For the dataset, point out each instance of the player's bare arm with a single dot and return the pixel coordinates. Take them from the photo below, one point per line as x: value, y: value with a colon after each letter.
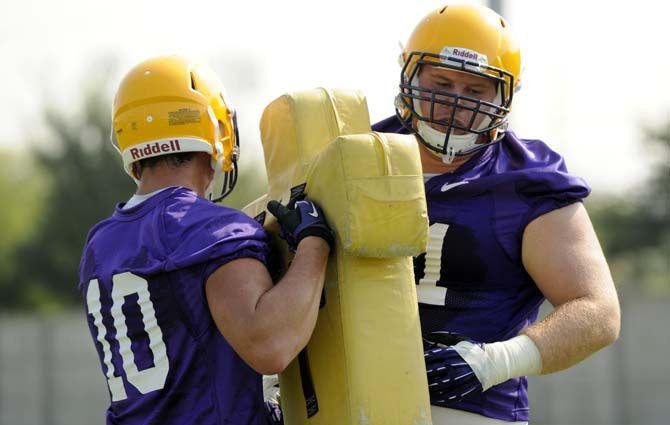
x: 561, y: 252
x: 268, y: 326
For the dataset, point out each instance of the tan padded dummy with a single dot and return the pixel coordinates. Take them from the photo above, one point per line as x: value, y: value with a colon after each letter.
x: 365, y: 356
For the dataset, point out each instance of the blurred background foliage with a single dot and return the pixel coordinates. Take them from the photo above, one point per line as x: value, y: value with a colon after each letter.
x: 59, y: 189
x: 57, y: 194
x: 635, y: 229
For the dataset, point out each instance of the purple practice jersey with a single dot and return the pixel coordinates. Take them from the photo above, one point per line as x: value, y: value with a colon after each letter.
x: 142, y: 277
x: 473, y: 281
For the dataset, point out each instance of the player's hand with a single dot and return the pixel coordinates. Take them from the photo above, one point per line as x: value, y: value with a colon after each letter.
x: 450, y: 377
x: 301, y: 218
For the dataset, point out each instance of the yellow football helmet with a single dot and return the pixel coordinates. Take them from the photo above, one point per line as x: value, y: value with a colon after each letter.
x: 466, y: 38
x: 168, y: 105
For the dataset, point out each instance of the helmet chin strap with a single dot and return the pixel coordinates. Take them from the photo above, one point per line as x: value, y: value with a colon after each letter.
x: 457, y: 143
x: 215, y: 182
x: 217, y: 166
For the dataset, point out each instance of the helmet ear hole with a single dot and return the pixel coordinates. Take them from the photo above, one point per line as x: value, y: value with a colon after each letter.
x: 443, y: 9
x: 193, y: 82
x: 225, y: 159
x: 502, y: 23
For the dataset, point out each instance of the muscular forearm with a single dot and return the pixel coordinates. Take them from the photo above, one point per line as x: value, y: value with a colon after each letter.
x: 562, y: 254
x: 574, y: 331
x: 285, y: 315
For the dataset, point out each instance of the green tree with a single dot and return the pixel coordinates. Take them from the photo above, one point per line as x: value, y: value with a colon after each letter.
x: 635, y: 233
x: 251, y: 185
x: 24, y: 188
x: 85, y: 179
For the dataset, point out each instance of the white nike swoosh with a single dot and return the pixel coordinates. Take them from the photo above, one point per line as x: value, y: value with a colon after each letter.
x: 314, y: 213
x: 448, y: 186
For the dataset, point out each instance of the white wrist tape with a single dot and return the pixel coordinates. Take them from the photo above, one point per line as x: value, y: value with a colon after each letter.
x: 501, y: 361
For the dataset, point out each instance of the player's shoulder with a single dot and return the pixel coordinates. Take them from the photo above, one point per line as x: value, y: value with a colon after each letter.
x: 537, y: 170
x: 530, y: 153
x: 192, y: 222
x: 185, y: 209
x: 97, y: 247
x: 99, y: 232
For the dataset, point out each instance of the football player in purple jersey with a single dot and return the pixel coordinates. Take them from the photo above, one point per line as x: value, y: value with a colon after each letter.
x: 181, y: 306
x: 507, y: 227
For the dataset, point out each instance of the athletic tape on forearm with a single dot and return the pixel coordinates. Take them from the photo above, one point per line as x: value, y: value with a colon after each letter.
x: 500, y: 361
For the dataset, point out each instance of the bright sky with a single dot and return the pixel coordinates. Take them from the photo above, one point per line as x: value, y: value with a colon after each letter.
x: 596, y: 71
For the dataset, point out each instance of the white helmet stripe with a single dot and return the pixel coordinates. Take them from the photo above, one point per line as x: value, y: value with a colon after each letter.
x: 163, y: 147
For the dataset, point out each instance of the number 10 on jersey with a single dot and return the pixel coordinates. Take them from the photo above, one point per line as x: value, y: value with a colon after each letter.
x: 146, y: 380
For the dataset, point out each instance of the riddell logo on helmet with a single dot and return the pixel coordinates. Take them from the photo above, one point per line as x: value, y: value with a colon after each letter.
x: 465, y: 54
x: 460, y: 54
x: 155, y: 148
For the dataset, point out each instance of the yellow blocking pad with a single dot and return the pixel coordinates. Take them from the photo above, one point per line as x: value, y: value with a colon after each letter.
x: 296, y: 127
x: 374, y: 194
x: 365, y: 356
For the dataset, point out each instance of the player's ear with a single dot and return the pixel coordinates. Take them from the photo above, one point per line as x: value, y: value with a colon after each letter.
x: 137, y: 169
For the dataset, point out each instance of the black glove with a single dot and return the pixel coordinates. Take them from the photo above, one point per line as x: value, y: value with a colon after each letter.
x: 273, y: 413
x: 450, y: 377
x: 301, y: 218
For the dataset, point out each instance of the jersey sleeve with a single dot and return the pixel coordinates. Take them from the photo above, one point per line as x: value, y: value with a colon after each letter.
x: 541, y: 179
x: 545, y: 193
x: 198, y: 232
x: 536, y: 183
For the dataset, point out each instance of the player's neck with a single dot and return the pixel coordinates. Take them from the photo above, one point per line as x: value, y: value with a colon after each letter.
x: 160, y: 177
x: 433, y: 164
